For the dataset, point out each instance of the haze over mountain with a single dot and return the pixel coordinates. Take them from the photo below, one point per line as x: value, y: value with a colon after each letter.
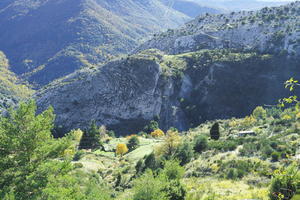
x: 47, y: 39
x: 237, y: 5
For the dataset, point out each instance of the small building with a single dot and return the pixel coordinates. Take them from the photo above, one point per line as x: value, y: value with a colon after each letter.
x: 247, y: 133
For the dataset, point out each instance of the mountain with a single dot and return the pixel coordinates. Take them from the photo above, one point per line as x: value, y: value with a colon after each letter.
x: 48, y: 39
x: 12, y: 90
x: 238, y: 5
x: 270, y: 30
x: 217, y: 66
x: 191, y: 8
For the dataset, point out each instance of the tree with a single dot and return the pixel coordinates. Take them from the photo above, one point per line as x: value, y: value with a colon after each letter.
x: 185, y: 153
x: 157, y: 133
x: 29, y: 155
x: 91, y: 138
x: 215, y: 131
x: 173, y: 173
x: 133, y: 143
x: 153, y: 125
x: 172, y: 141
x: 259, y: 113
x: 121, y: 149
x: 284, y: 183
x: 201, y: 143
x: 148, y: 187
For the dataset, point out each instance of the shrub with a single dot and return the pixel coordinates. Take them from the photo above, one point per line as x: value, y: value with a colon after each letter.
x: 284, y: 183
x: 223, y: 145
x: 121, y: 149
x: 78, y: 155
x: 157, y: 133
x: 275, y: 156
x: 150, y: 161
x: 147, y: 187
x: 201, y: 143
x: 215, y: 131
x: 185, y: 153
x: 232, y: 174
x: 153, y: 125
x: 133, y: 143
x: 172, y: 170
x: 78, y: 165
x: 259, y: 113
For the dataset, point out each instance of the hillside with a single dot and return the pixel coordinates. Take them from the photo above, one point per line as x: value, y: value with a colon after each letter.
x: 208, y: 71
x: 48, y: 39
x: 191, y: 8
x: 179, y: 91
x: 270, y: 30
x: 12, y: 90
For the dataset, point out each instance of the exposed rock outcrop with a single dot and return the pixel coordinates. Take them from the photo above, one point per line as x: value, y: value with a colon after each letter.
x: 126, y: 94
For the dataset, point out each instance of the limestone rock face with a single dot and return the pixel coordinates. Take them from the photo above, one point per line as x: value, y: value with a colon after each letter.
x: 126, y: 94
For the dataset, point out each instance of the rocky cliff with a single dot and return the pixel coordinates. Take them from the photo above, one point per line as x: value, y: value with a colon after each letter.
x: 179, y: 91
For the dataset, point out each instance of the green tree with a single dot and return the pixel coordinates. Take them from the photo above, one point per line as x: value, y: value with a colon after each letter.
x: 259, y: 113
x: 133, y: 143
x: 185, y: 153
x: 28, y: 152
x: 200, y: 144
x: 148, y: 187
x: 91, y: 137
x: 285, y: 183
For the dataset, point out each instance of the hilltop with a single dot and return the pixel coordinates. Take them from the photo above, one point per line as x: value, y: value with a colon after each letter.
x: 48, y: 39
x: 269, y: 30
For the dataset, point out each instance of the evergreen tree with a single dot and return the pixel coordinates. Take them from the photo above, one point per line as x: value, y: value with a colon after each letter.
x: 91, y: 138
x: 215, y: 131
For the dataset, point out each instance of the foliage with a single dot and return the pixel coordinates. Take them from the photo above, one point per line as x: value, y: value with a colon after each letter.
x: 215, y: 131
x: 147, y: 187
x: 200, y: 144
x: 285, y: 183
x: 170, y: 145
x: 29, y: 154
x: 157, y: 133
x: 121, y: 149
x: 91, y: 138
x: 133, y: 143
x: 185, y: 152
x: 259, y: 113
x: 153, y: 125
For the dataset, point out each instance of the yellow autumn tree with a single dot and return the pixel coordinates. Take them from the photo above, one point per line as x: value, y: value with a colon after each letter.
x: 170, y: 145
x: 157, y: 133
x: 121, y: 149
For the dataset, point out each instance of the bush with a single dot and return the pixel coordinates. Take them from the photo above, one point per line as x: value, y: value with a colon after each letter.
x: 275, y: 156
x: 147, y: 187
x: 284, y: 183
x: 259, y: 113
x: 157, y: 133
x: 223, y: 145
x: 78, y: 155
x: 185, y: 153
x: 200, y: 144
x: 133, y: 143
x: 78, y: 165
x: 215, y: 131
